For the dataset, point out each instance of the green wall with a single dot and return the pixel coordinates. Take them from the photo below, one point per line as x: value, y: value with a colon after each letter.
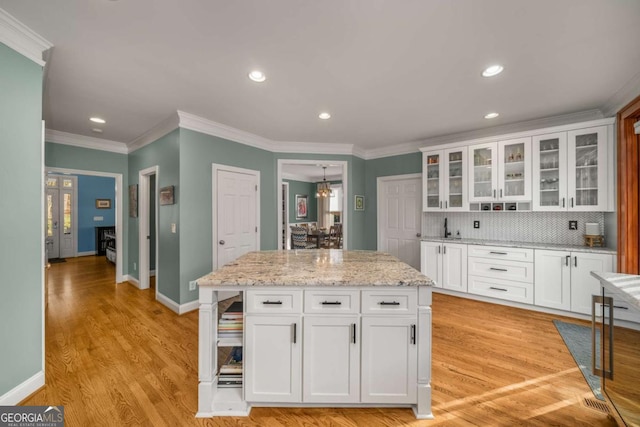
x: 164, y: 153
x: 70, y: 157
x: 375, y: 168
x: 302, y: 188
x: 21, y: 257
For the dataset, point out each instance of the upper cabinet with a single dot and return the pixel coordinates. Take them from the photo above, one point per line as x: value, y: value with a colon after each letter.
x: 445, y: 180
x: 571, y: 171
x: 501, y: 171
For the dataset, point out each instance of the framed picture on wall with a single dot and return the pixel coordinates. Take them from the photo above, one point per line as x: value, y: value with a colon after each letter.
x: 133, y: 201
x: 103, y: 203
x: 359, y: 203
x: 166, y: 195
x: 302, y: 208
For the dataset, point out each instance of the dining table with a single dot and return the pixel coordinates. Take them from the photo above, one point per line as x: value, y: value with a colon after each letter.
x: 318, y: 235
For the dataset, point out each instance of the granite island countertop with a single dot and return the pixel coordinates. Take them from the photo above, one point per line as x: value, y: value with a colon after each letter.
x: 627, y: 286
x: 529, y: 245
x: 316, y: 267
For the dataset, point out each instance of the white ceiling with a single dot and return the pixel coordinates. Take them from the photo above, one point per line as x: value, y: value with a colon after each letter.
x: 389, y: 71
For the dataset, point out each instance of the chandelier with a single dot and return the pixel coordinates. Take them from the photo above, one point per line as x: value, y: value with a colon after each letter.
x: 324, y: 188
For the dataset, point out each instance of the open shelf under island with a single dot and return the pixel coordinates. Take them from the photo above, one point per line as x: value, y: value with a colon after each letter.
x: 327, y: 328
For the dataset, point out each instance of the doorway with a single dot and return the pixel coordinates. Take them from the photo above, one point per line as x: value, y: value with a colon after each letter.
x: 148, y: 227
x: 61, y: 207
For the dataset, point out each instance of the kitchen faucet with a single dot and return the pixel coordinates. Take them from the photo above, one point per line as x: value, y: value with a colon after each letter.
x: 447, y: 233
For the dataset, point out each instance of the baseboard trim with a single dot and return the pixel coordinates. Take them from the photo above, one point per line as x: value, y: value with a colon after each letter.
x: 135, y: 282
x: 87, y: 253
x: 175, y: 307
x: 22, y: 391
x: 152, y: 273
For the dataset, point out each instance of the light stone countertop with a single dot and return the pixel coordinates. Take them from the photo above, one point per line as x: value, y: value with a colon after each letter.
x: 529, y: 245
x: 627, y: 286
x: 316, y: 267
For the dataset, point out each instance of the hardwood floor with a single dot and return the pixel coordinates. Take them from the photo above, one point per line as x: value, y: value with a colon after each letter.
x: 115, y: 356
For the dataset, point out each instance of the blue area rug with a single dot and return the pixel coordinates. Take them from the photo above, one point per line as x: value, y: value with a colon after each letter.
x: 578, y: 341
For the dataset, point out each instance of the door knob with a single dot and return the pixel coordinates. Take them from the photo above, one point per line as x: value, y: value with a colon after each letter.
x: 418, y: 234
x: 221, y: 242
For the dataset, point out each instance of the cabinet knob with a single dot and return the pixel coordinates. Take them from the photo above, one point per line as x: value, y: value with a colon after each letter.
x: 418, y: 234
x: 222, y: 242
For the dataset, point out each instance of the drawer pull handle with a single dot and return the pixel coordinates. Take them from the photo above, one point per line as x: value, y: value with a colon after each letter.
x: 389, y: 303
x: 353, y: 325
x: 498, y: 269
x: 413, y: 334
x: 331, y: 303
x: 498, y: 253
x: 621, y: 307
x: 267, y: 302
x: 497, y: 289
x: 295, y: 333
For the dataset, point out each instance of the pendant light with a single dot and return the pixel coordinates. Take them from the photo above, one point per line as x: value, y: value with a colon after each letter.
x: 324, y: 188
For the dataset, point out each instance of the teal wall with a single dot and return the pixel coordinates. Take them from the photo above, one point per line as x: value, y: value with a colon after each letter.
x: 164, y: 153
x: 70, y: 157
x: 21, y: 257
x: 375, y: 168
x: 302, y: 188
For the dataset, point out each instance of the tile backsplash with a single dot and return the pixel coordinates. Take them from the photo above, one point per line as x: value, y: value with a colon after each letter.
x: 534, y: 227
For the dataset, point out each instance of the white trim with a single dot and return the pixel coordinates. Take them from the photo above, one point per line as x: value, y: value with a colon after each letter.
x: 119, y: 210
x: 624, y: 96
x: 163, y: 128
x: 89, y: 142
x: 215, y: 167
x: 380, y: 180
x: 345, y: 198
x: 22, y: 39
x: 153, y: 272
x: 287, y: 236
x: 636, y: 127
x: 23, y: 390
x: 86, y: 253
x: 174, y: 306
x: 129, y: 278
x: 311, y: 147
x: 461, y: 140
x: 43, y: 250
x: 143, y: 224
x: 393, y: 150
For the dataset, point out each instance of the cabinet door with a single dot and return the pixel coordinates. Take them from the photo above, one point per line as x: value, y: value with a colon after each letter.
x: 514, y: 180
x: 389, y: 359
x: 483, y: 179
x: 587, y: 171
x: 552, y: 286
x: 432, y: 175
x: 431, y: 261
x: 583, y: 284
x: 455, y: 179
x: 454, y: 267
x: 272, y: 358
x: 550, y: 172
x: 331, y: 370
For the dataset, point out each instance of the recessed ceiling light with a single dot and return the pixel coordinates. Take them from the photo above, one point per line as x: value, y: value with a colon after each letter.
x: 493, y: 70
x: 96, y: 130
x: 97, y: 120
x: 491, y: 116
x: 324, y: 116
x: 257, y: 76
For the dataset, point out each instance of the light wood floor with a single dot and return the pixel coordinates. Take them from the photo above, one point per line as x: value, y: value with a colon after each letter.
x: 115, y: 356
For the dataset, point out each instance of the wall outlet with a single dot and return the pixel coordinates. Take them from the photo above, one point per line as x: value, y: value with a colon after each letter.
x: 192, y: 285
x: 573, y: 225
x: 173, y: 227
x: 135, y: 266
x: 476, y: 224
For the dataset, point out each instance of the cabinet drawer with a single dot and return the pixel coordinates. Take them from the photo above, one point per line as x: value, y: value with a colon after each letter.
x: 331, y: 301
x: 500, y: 252
x: 274, y: 301
x: 503, y: 289
x: 389, y: 302
x: 501, y: 269
x: 625, y: 311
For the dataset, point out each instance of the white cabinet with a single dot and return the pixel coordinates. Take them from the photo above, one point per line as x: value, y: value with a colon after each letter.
x: 571, y: 170
x: 444, y: 180
x: 563, y: 279
x: 389, y: 359
x: 500, y: 171
x: 272, y: 358
x: 445, y: 263
x: 331, y: 357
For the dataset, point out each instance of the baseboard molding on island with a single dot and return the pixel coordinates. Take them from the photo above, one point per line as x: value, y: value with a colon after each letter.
x: 175, y: 307
x: 22, y: 391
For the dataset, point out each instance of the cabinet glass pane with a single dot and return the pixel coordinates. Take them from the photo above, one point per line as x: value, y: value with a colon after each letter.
x: 455, y: 179
x: 433, y: 181
x: 514, y: 170
x: 482, y: 172
x: 549, y: 150
x: 587, y: 169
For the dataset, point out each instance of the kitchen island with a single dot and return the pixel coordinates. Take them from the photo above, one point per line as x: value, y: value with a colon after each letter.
x: 327, y: 328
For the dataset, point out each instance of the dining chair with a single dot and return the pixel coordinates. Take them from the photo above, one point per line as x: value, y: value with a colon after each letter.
x: 299, y: 238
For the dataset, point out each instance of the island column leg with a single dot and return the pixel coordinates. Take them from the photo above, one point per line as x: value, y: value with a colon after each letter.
x: 422, y: 409
x: 207, y: 350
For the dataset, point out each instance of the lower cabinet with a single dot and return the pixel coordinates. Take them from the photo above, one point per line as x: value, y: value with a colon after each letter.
x: 445, y: 263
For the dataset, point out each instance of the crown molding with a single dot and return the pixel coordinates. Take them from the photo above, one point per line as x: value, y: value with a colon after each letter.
x: 22, y: 39
x: 393, y: 150
x: 624, y: 96
x: 163, y: 128
x: 65, y: 138
x: 311, y: 147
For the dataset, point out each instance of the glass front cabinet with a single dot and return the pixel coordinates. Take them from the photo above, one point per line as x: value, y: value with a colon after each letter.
x: 570, y: 170
x: 444, y: 180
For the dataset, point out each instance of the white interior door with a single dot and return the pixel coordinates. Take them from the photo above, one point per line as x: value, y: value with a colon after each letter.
x: 400, y: 217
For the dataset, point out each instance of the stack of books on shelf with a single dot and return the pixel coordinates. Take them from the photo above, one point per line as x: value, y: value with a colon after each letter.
x: 231, y: 372
x: 230, y: 323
